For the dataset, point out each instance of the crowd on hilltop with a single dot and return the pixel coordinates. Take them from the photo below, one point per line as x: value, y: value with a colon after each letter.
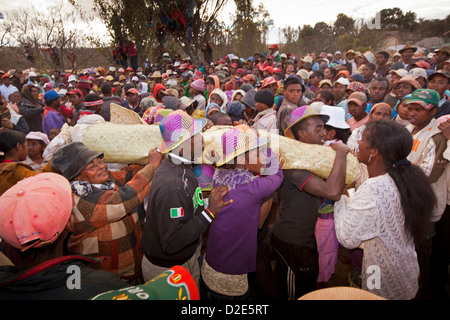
x: 241, y: 234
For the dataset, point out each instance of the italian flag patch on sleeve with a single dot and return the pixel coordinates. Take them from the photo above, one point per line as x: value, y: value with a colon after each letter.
x: 176, y: 213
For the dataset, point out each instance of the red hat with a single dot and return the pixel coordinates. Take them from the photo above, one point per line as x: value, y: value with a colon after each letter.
x: 234, y: 65
x: 268, y: 69
x: 35, y: 210
x: 132, y: 90
x: 274, y: 46
x: 76, y: 91
x: 267, y: 81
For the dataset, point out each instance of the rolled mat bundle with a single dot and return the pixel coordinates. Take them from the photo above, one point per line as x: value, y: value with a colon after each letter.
x: 130, y: 143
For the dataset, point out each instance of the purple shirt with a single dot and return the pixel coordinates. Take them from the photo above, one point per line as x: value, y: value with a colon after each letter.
x: 232, y: 239
x: 52, y: 120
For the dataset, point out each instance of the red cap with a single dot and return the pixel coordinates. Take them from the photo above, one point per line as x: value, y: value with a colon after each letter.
x: 76, y: 91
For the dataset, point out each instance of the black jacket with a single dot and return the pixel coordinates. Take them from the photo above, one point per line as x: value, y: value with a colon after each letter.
x: 32, y: 114
x: 53, y: 280
x: 175, y: 218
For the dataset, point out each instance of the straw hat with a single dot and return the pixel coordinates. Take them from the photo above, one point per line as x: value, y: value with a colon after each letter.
x: 178, y: 127
x: 300, y: 114
x: 340, y: 293
x: 238, y: 140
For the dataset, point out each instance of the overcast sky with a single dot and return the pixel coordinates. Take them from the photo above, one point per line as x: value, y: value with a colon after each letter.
x: 296, y: 13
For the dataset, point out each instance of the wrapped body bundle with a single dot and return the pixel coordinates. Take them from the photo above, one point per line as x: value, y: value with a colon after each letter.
x: 130, y: 143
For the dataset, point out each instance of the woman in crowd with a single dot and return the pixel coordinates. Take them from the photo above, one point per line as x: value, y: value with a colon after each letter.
x: 105, y: 219
x: 388, y: 212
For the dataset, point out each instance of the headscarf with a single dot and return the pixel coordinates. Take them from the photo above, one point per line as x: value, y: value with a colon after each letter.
x: 210, y: 106
x: 223, y: 96
x: 26, y: 92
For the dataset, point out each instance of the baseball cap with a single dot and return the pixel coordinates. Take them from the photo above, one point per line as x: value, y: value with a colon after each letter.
x: 35, y: 210
x: 359, y: 97
x: 400, y: 72
x: 51, y: 95
x: 427, y: 98
x: 75, y: 91
x: 441, y: 72
x: 36, y: 135
x: 418, y: 72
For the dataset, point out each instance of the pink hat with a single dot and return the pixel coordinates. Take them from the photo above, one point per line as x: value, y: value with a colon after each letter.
x: 36, y: 135
x: 35, y: 210
x: 198, y: 85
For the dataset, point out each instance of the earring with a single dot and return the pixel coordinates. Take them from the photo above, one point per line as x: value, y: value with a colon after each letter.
x: 370, y: 158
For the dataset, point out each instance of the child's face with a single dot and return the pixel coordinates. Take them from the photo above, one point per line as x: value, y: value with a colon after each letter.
x: 35, y: 147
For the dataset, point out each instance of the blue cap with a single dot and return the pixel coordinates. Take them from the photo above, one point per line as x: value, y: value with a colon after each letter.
x: 51, y: 95
x: 251, y: 58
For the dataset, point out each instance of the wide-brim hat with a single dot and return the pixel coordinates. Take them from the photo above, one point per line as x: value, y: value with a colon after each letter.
x: 341, y: 293
x: 414, y: 48
x: 238, y: 140
x: 72, y: 158
x: 300, y: 114
x: 337, y: 117
x: 178, y: 127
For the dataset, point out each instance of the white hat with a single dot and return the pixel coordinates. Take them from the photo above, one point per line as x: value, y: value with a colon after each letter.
x: 343, y: 81
x: 337, y: 117
x: 32, y: 74
x: 400, y: 72
x: 317, y: 106
x: 135, y: 78
x: 112, y: 69
x: 166, y: 54
x: 418, y: 72
x: 303, y: 74
x: 177, y: 64
x: 369, y: 56
x: 62, y: 92
x: 72, y: 78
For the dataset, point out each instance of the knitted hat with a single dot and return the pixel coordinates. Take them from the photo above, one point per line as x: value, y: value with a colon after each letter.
x: 198, y: 85
x: 72, y: 158
x: 35, y: 210
x: 204, y: 174
x: 235, y: 108
x: 265, y: 96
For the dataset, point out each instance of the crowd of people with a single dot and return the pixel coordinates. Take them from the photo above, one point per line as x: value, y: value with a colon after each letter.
x: 242, y: 234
